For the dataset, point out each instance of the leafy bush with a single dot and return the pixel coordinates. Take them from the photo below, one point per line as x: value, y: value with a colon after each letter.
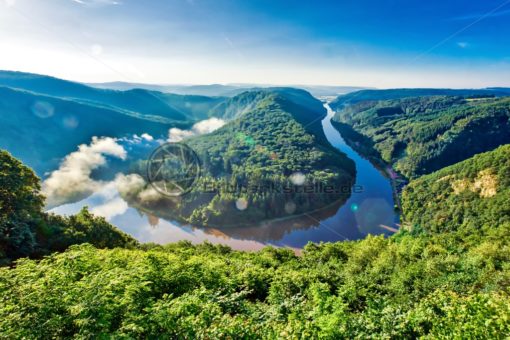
x: 470, y: 194
x: 26, y: 230
x: 444, y: 285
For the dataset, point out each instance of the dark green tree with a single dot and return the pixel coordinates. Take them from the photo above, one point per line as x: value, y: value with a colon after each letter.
x: 20, y: 207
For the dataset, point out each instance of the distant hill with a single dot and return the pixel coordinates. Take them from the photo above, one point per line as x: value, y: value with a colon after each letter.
x: 44, y: 118
x: 328, y: 91
x: 212, y: 90
x: 228, y: 90
x: 246, y: 101
x: 254, y: 157
x: 375, y: 95
x: 469, y: 195
x: 140, y: 101
x: 421, y: 135
x: 500, y: 89
x: 40, y: 130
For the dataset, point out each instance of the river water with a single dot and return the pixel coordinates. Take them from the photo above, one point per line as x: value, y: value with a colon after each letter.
x: 369, y: 210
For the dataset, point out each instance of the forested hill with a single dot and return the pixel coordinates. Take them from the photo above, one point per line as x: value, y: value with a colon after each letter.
x: 26, y: 230
x: 412, y: 285
x: 472, y: 194
x: 41, y: 130
x: 42, y: 119
x: 421, y: 135
x: 376, y: 95
x: 263, y: 150
x: 183, y: 108
x: 246, y: 101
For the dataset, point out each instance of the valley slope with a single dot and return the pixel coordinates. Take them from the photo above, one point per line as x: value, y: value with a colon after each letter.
x: 42, y: 119
x: 419, y: 135
x: 274, y: 138
x: 446, y: 277
x: 469, y: 195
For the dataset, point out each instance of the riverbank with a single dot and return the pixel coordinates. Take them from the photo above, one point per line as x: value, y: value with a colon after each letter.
x: 363, y: 146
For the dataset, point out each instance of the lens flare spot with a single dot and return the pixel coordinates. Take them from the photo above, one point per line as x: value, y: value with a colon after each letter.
x: 250, y: 141
x: 96, y: 49
x: 241, y: 203
x: 354, y: 207
x: 43, y: 109
x: 70, y: 122
x: 298, y: 178
x: 290, y: 207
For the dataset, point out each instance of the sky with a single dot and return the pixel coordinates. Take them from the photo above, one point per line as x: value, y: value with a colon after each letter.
x: 384, y: 44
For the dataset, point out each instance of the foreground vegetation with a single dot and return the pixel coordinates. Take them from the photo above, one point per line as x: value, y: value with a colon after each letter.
x: 445, y: 276
x: 424, y: 134
x: 445, y: 285
x: 26, y: 230
x: 438, y: 282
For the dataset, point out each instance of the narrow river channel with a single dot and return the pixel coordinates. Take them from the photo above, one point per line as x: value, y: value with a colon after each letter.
x: 369, y: 210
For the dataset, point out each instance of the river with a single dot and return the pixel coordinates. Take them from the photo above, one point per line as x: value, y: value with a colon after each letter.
x: 369, y: 210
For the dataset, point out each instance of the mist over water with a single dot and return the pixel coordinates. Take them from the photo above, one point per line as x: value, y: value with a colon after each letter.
x: 369, y: 210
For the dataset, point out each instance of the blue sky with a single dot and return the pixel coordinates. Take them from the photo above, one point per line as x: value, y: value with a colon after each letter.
x: 395, y: 43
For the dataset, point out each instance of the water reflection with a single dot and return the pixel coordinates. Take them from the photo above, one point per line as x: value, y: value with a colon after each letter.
x: 367, y: 211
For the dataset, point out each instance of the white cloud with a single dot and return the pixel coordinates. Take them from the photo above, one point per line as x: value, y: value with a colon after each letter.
x: 462, y: 44
x: 176, y: 135
x: 97, y: 2
x: 200, y: 128
x: 134, y: 186
x: 128, y: 185
x: 71, y: 181
x: 9, y: 3
x: 208, y: 125
x: 150, y: 194
x: 110, y: 209
x: 147, y: 137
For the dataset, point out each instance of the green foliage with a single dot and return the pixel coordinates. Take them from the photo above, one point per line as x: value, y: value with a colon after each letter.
x: 472, y: 194
x: 424, y: 134
x: 444, y: 285
x: 20, y: 207
x: 249, y: 100
x: 446, y: 278
x: 58, y: 233
x: 253, y: 158
x: 42, y: 119
x: 358, y: 97
x: 26, y: 230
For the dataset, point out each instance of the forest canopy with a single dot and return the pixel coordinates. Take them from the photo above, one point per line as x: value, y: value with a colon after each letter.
x: 413, y: 284
x: 424, y: 134
x: 472, y: 194
x: 255, y: 158
x: 26, y: 230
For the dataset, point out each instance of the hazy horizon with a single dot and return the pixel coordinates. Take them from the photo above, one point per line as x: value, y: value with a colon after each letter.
x: 396, y: 44
x: 248, y: 84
